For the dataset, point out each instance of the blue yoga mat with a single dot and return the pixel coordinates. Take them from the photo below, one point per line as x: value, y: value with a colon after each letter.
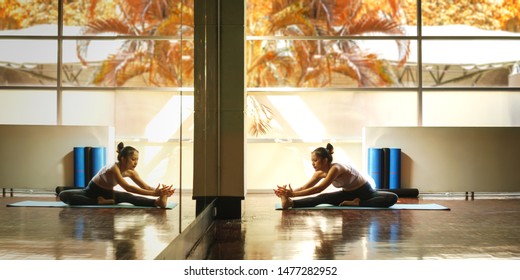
x: 394, y: 180
x: 375, y: 166
x: 430, y: 206
x: 79, y: 167
x: 59, y: 204
x: 98, y: 159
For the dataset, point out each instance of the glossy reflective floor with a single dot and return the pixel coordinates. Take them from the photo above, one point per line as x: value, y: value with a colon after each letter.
x: 473, y: 229
x: 34, y: 233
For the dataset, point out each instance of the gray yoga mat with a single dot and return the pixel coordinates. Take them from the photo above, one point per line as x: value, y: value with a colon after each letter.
x: 429, y: 206
x: 31, y: 203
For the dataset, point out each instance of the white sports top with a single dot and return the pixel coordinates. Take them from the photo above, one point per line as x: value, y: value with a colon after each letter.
x: 349, y: 180
x: 105, y: 178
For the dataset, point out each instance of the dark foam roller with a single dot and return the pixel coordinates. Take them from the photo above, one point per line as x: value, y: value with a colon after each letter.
x: 404, y: 192
x: 386, y: 169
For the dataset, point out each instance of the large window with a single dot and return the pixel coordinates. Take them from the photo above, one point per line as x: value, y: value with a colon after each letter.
x: 320, y: 71
x: 317, y: 71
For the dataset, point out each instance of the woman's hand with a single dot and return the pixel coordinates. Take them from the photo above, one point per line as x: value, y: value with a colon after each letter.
x: 285, y: 190
x: 163, y: 189
x: 157, y: 191
x: 168, y: 190
x: 279, y: 191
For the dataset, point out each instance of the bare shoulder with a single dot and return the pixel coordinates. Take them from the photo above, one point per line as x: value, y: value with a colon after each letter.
x: 130, y: 173
x: 113, y: 168
x: 320, y: 174
x: 341, y: 168
x: 116, y: 170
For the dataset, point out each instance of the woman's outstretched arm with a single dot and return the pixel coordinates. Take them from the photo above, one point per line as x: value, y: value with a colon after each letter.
x: 319, y: 186
x: 131, y: 188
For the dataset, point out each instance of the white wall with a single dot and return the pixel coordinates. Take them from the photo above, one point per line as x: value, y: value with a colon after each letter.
x: 40, y: 157
x: 453, y: 159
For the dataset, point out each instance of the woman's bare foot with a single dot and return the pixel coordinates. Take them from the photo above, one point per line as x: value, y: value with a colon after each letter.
x: 103, y: 201
x: 354, y: 202
x: 162, y: 201
x: 286, y: 202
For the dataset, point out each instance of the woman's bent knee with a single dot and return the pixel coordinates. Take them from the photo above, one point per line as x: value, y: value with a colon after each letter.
x: 391, y: 199
x: 64, y: 196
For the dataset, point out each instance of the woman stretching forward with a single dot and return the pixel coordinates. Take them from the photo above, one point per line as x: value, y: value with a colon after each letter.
x: 355, y: 189
x: 100, y: 190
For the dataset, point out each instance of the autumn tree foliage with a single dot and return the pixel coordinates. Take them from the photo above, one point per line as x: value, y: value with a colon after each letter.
x: 486, y: 14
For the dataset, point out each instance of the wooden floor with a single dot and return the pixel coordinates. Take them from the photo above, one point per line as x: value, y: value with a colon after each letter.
x: 472, y: 229
x: 38, y: 233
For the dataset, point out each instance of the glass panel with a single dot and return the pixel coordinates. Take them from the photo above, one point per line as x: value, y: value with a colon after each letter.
x: 128, y: 63
x: 160, y: 124
x: 469, y: 63
x: 28, y: 107
x: 29, y: 18
x: 330, y: 63
x: 154, y: 123
x: 328, y: 18
x: 128, y: 18
x: 21, y: 63
x: 318, y: 116
x: 471, y: 108
x: 153, y: 116
x: 88, y: 108
x: 470, y: 18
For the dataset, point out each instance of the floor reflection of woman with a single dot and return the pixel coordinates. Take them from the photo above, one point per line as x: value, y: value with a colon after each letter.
x: 355, y: 189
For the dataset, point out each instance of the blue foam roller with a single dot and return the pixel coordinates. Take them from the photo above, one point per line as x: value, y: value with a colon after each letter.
x: 394, y: 181
x: 375, y: 166
x: 79, y: 167
x: 98, y: 159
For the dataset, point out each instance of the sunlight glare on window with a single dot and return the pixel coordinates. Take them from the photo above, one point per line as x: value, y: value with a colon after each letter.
x: 168, y: 121
x: 298, y: 115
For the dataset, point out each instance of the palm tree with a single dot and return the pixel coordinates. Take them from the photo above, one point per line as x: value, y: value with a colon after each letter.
x: 162, y: 62
x: 296, y: 63
x: 313, y: 63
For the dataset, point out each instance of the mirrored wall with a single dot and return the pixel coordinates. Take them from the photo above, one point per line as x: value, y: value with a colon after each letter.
x: 123, y: 64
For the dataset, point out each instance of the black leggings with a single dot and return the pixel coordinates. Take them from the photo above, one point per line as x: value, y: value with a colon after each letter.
x: 368, y: 198
x: 89, y: 195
